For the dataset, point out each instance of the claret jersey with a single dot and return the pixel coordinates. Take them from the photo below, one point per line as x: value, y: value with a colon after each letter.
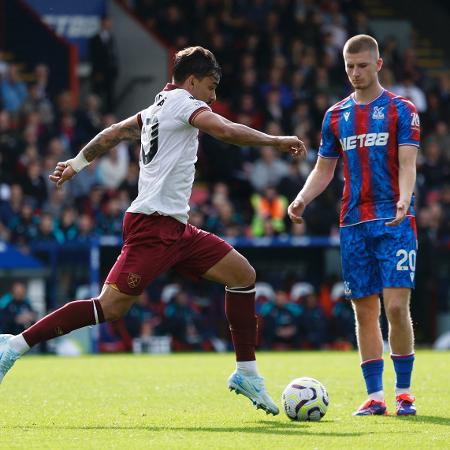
x: 367, y: 138
x: 168, y: 154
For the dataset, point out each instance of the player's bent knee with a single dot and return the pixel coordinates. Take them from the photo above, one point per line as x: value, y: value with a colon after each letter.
x: 115, y: 304
x: 250, y: 276
x: 242, y: 274
x: 112, y: 313
x: 244, y: 277
x: 233, y: 270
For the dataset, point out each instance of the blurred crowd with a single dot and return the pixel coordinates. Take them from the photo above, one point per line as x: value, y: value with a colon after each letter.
x: 282, y: 68
x: 287, y: 319
x: 297, y: 318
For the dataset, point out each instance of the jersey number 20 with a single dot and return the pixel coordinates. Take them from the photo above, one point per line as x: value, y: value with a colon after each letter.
x: 407, y: 260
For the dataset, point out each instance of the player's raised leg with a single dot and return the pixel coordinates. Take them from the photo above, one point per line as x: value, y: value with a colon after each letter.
x: 370, y: 344
x: 401, y: 341
x: 110, y: 305
x: 238, y: 276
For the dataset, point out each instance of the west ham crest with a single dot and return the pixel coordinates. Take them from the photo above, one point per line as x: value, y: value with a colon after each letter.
x: 133, y: 280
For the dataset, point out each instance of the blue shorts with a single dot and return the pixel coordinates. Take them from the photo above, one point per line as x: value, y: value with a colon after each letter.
x: 375, y: 256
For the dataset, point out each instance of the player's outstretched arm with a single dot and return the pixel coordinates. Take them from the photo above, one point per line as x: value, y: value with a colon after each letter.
x: 238, y: 134
x: 407, y: 155
x: 128, y: 129
x: 317, y: 181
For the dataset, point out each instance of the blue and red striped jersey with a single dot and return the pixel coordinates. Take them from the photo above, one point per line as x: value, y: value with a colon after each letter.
x: 367, y: 138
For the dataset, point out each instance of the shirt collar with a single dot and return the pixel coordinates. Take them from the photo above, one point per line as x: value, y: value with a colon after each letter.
x: 171, y: 87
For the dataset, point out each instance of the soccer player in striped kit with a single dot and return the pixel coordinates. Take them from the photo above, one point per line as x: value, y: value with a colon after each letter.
x: 376, y: 133
x: 157, y: 235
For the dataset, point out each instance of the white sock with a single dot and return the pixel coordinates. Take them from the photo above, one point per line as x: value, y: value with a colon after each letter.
x: 377, y: 396
x: 19, y: 344
x: 247, y: 367
x: 400, y: 391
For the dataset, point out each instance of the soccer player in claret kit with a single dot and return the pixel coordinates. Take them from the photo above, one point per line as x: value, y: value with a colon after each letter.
x: 376, y: 133
x: 156, y: 232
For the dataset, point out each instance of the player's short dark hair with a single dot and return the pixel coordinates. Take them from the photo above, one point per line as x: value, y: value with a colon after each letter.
x: 361, y: 43
x: 197, y: 61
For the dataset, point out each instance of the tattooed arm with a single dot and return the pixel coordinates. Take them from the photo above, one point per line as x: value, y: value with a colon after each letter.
x: 128, y: 129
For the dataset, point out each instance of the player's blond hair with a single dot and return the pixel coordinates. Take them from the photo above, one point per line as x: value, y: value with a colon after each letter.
x: 361, y: 43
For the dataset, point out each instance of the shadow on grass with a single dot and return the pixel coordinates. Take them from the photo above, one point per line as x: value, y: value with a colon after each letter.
x: 426, y: 419
x: 265, y: 427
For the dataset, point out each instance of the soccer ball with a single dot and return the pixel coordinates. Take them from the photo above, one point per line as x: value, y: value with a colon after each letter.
x: 305, y: 399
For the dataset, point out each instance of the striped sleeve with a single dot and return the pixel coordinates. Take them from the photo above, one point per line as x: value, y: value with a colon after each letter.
x: 329, y: 147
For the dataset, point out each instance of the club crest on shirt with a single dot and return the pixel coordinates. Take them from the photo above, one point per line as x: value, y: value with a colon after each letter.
x: 378, y: 112
x: 347, y: 290
x: 133, y: 280
x: 346, y: 115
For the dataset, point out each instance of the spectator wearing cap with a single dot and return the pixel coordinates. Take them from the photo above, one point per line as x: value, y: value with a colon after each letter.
x: 300, y: 290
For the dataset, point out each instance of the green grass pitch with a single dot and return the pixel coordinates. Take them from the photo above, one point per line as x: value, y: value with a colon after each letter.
x: 182, y: 402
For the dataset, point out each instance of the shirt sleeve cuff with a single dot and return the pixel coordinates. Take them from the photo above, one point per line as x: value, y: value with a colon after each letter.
x: 329, y: 157
x: 197, y: 112
x: 414, y: 144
